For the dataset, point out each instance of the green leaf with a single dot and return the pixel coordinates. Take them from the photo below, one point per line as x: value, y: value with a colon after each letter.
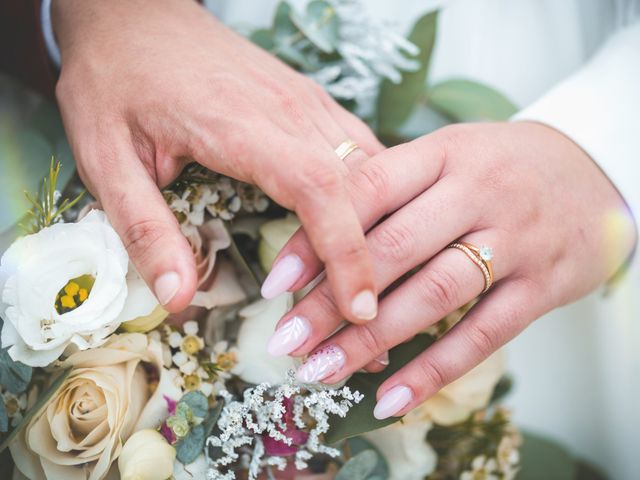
x: 360, y: 444
x: 284, y: 30
x: 212, y: 419
x: 14, y: 376
x: 188, y: 449
x: 4, y: 418
x: 263, y: 38
x: 319, y: 24
x: 468, y: 101
x: 40, y: 404
x: 359, y: 467
x: 198, y: 403
x: 542, y: 458
x: 397, y: 101
x: 360, y: 418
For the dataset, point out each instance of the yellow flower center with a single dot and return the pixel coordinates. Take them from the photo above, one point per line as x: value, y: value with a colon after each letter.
x: 12, y: 407
x: 226, y: 361
x: 191, y: 345
x: 74, y: 293
x: 191, y: 382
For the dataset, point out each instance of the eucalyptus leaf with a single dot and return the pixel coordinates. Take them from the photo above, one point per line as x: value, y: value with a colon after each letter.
x: 263, y: 38
x: 360, y: 444
x: 397, y: 101
x: 14, y: 376
x: 40, y: 404
x: 198, y: 403
x: 284, y: 30
x: 360, y: 417
x: 188, y: 449
x: 4, y: 418
x: 469, y: 101
x: 212, y: 419
x: 319, y: 24
x: 359, y: 467
x: 543, y: 458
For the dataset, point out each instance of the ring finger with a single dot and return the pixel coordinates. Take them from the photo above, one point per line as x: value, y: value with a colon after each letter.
x: 444, y: 284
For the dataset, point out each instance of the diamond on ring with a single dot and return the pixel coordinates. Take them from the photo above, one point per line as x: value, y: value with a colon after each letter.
x: 486, y: 253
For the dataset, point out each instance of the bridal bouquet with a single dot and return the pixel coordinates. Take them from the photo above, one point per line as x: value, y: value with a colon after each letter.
x: 98, y: 381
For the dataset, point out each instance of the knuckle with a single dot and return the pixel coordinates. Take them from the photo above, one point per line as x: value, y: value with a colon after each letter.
x: 434, y: 376
x: 141, y: 236
x: 370, y: 340
x: 373, y: 180
x: 320, y: 180
x: 439, y: 289
x: 484, y: 338
x: 394, y: 241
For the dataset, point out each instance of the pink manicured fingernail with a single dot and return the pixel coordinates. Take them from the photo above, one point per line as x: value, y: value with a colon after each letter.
x: 365, y: 305
x: 383, y: 359
x: 392, y: 402
x: 166, y: 287
x: 325, y: 362
x: 283, y: 276
x: 292, y: 334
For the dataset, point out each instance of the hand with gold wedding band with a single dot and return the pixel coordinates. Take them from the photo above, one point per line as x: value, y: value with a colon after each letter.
x: 232, y: 107
x: 523, y: 189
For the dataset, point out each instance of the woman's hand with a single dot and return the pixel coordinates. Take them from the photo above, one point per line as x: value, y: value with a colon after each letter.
x: 557, y: 226
x: 146, y: 86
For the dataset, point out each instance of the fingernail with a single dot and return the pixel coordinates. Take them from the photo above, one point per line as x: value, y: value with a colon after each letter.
x: 365, y: 305
x: 166, y: 287
x: 392, y: 402
x: 292, y: 334
x: 325, y: 362
x: 383, y: 359
x: 284, y: 274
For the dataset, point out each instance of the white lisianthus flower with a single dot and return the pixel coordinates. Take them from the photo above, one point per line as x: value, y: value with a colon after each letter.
x: 146, y: 456
x: 255, y: 365
x: 68, y: 284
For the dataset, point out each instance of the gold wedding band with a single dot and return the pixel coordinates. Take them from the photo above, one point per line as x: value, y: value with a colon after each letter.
x: 346, y: 148
x: 481, y: 256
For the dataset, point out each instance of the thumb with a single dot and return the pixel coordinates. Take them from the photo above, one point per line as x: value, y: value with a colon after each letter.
x: 149, y: 231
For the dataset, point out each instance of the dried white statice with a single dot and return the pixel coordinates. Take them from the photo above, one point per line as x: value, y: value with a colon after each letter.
x: 369, y: 52
x: 263, y: 414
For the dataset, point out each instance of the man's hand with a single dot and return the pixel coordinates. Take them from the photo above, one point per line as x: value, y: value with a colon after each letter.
x: 148, y: 85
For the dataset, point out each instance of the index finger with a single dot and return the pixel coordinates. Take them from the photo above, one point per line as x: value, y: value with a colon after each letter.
x: 334, y: 232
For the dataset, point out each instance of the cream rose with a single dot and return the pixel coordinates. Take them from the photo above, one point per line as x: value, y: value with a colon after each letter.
x: 255, y: 365
x: 104, y: 400
x: 69, y: 284
x: 146, y: 456
x: 455, y: 402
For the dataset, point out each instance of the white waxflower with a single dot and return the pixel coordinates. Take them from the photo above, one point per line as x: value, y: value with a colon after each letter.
x: 70, y: 283
x: 481, y: 469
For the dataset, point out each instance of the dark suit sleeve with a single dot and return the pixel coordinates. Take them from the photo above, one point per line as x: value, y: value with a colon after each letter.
x: 23, y: 53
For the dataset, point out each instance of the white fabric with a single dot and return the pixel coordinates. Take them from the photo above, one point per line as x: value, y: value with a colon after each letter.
x: 47, y: 31
x: 577, y: 369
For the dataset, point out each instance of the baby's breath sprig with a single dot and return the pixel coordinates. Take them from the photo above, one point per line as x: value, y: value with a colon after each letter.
x: 45, y: 210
